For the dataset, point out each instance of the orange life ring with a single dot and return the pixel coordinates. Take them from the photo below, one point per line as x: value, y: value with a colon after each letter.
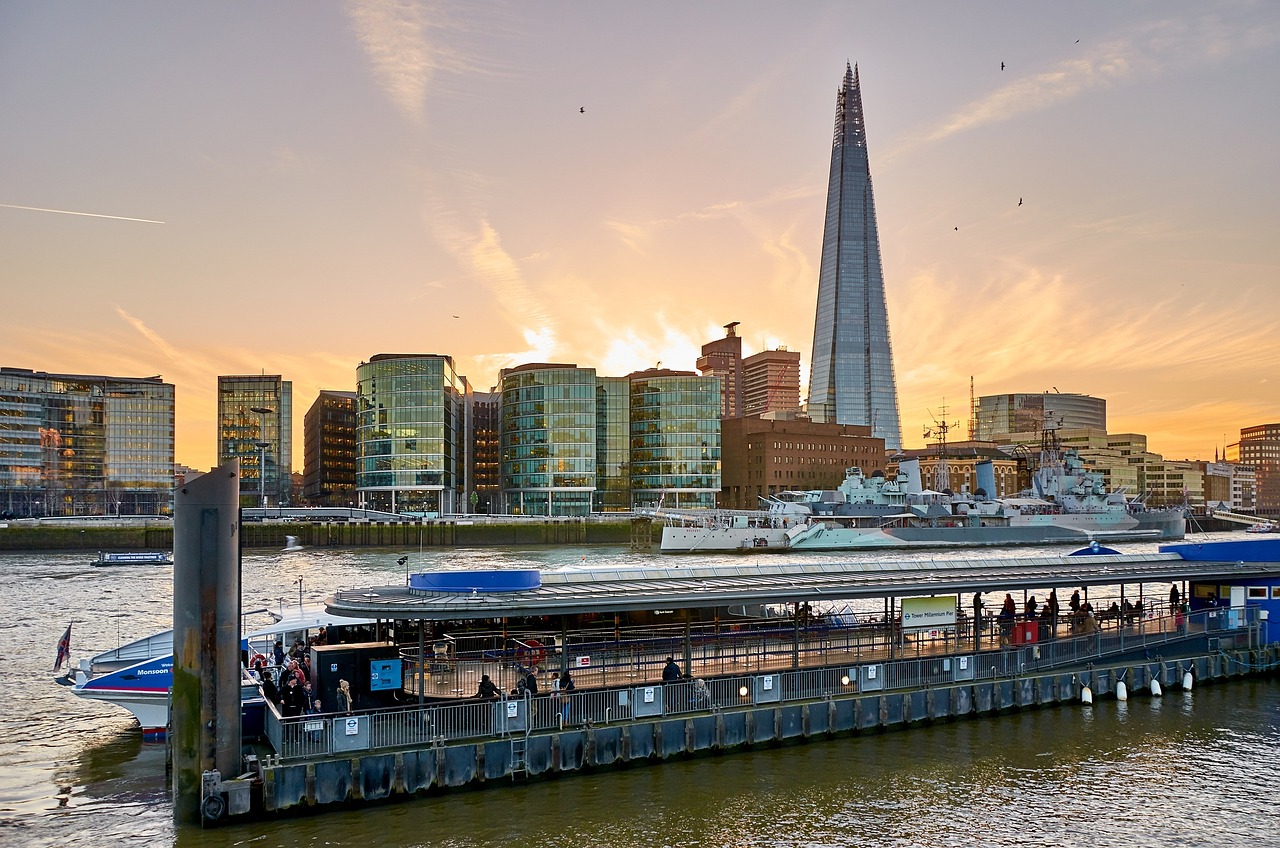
x: 531, y: 653
x: 253, y: 661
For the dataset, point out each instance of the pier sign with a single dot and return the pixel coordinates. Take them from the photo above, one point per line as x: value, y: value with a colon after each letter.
x: 936, y: 613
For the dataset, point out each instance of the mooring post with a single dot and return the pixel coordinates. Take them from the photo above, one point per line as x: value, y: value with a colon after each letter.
x: 204, y: 713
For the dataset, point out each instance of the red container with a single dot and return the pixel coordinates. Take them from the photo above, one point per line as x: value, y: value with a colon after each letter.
x: 1025, y: 632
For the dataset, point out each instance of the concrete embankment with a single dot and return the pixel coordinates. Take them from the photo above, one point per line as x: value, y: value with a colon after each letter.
x: 299, y: 786
x: 271, y: 535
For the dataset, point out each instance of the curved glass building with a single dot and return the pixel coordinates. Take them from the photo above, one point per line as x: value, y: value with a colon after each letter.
x: 675, y: 439
x: 410, y: 434
x: 547, y: 439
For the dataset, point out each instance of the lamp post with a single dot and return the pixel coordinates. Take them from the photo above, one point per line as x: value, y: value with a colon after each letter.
x: 262, y: 444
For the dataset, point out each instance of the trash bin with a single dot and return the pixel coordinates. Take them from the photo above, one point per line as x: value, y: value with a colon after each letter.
x: 1025, y: 632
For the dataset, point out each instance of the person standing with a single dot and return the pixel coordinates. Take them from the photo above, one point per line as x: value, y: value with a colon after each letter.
x: 977, y: 620
x: 1175, y: 600
x: 293, y: 701
x: 564, y: 685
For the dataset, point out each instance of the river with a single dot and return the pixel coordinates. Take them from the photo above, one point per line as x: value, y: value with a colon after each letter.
x: 1188, y: 768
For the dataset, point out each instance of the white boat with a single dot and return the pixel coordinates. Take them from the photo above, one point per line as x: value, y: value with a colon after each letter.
x: 1261, y: 527
x: 133, y: 558
x: 138, y: 675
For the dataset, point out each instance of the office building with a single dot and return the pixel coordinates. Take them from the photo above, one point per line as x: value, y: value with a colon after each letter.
x: 547, y: 439
x: 997, y: 417
x: 852, y: 379
x: 255, y: 425
x: 764, y: 456
x: 771, y: 383
x: 1259, y: 447
x: 77, y: 444
x: 723, y: 358
x: 675, y: 439
x: 329, y: 450
x: 411, y: 436
x: 486, y: 481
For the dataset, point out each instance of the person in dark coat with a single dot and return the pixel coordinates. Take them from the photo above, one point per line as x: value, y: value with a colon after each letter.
x: 670, y: 671
x: 269, y: 690
x: 488, y: 690
x: 293, y: 700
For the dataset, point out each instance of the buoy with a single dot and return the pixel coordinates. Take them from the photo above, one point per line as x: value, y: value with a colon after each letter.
x: 1156, y: 691
x: 1187, y: 681
x: 1086, y: 695
x: 1122, y: 691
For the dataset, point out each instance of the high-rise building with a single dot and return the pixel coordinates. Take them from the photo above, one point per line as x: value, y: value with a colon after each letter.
x: 852, y: 378
x: 255, y: 425
x: 723, y: 358
x: 411, y: 434
x: 329, y: 450
x: 75, y: 444
x: 771, y: 382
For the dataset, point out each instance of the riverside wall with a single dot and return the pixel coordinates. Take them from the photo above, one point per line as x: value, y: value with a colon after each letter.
x: 382, y: 776
x: 270, y: 535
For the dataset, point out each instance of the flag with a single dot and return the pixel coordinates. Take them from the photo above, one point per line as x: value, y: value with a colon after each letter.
x: 64, y: 649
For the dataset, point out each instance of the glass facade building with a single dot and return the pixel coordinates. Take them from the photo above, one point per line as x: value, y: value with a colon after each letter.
x: 547, y: 441
x: 411, y: 434
x: 1000, y: 416
x: 675, y: 439
x: 329, y: 450
x: 852, y: 380
x: 255, y: 425
x: 73, y: 444
x: 613, y: 445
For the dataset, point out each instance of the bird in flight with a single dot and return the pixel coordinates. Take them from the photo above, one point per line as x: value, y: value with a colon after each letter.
x: 582, y: 110
x: 1002, y: 66
x: 957, y: 229
x: 1019, y: 201
x: 455, y: 316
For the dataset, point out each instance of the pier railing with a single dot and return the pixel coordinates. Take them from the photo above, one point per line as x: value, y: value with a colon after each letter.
x: 765, y: 670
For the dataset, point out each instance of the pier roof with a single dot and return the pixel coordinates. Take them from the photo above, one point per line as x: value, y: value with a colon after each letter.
x: 608, y: 590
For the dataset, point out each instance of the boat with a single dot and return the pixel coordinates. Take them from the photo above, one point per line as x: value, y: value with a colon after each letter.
x: 138, y: 675
x: 1261, y: 527
x: 133, y: 558
x: 1067, y: 504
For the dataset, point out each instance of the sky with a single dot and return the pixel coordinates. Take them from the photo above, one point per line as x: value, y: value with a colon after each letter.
x: 293, y: 188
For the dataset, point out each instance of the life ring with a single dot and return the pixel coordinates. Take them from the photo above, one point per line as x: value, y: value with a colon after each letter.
x: 255, y: 659
x: 213, y: 807
x: 531, y: 653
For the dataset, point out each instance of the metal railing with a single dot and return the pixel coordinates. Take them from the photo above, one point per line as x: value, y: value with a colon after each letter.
x: 845, y: 669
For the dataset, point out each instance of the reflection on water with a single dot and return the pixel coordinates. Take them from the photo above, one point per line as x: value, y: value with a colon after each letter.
x: 1187, y: 768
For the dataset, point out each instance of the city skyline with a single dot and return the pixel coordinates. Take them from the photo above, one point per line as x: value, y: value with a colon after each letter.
x: 1095, y: 217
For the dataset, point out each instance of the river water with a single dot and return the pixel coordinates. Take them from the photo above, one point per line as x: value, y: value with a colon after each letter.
x: 1188, y: 768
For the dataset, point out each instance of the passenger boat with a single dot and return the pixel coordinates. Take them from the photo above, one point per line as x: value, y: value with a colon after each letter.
x: 133, y: 558
x: 138, y: 675
x: 1067, y: 504
x: 1261, y: 527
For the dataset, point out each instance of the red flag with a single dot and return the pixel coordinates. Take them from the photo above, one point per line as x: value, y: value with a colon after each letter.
x: 64, y: 649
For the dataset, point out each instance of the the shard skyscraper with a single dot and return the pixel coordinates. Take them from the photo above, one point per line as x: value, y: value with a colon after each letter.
x: 852, y: 376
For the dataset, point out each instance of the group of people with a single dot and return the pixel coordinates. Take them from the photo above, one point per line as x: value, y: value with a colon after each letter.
x: 1081, y: 621
x: 527, y: 684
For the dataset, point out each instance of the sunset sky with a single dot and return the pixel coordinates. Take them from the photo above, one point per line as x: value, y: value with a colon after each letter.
x: 291, y: 188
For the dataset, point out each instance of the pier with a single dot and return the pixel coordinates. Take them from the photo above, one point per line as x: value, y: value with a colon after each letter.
x: 745, y: 680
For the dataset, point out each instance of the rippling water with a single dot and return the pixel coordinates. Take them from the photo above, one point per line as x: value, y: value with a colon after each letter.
x: 1188, y: 768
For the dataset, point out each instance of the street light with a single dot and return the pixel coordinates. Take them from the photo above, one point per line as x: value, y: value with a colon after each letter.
x: 263, y: 412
